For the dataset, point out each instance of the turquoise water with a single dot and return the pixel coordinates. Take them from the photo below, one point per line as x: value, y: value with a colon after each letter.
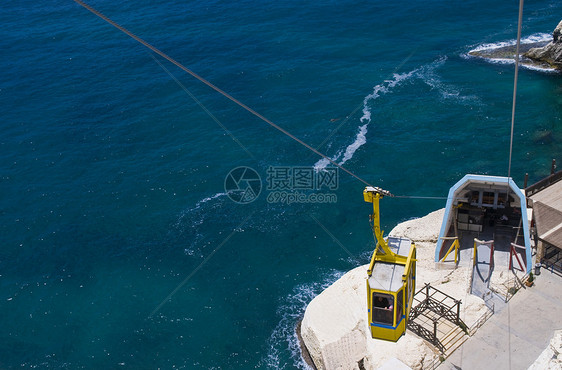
x: 120, y: 247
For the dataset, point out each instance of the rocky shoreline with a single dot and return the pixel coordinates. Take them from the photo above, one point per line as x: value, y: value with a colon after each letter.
x: 550, y: 54
x: 541, y: 55
x: 334, y: 329
x: 507, y: 53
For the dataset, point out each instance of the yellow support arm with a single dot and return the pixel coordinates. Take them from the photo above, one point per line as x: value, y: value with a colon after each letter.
x: 372, y: 264
x: 373, y: 195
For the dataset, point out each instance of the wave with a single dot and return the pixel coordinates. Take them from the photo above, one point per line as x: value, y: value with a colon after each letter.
x: 195, y: 208
x: 534, y: 38
x: 425, y: 73
x: 205, y: 200
x: 361, y: 138
x: 190, y: 221
x: 284, y: 336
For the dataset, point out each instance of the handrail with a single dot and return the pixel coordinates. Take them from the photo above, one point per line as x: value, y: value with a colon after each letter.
x: 486, y: 242
x: 455, y: 245
x: 513, y: 252
x: 541, y: 184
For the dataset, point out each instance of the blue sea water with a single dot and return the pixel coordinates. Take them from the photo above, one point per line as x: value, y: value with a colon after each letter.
x: 120, y: 247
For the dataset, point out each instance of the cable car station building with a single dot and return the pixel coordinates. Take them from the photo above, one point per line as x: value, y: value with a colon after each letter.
x: 487, y: 208
x: 546, y: 198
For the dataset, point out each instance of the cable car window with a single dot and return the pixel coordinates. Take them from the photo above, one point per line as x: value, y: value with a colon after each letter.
x: 383, y: 307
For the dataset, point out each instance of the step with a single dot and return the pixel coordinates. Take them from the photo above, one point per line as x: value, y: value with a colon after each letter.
x: 455, y: 339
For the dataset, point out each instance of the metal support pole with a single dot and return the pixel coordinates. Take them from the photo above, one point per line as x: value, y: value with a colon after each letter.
x: 458, y: 311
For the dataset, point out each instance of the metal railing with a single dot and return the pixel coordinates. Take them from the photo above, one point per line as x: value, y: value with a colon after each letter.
x: 542, y: 184
x: 447, y: 308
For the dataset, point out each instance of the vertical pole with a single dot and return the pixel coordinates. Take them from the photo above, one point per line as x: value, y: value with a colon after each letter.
x: 491, y: 254
x: 526, y: 179
x: 456, y: 250
x: 553, y: 166
x: 474, y: 255
x: 458, y: 311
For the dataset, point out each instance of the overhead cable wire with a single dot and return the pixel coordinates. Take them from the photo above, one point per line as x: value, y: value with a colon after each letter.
x: 220, y: 91
x: 230, y: 97
x: 520, y: 20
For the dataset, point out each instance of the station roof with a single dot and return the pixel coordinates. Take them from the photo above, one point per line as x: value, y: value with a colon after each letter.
x: 551, y: 196
x: 547, y: 209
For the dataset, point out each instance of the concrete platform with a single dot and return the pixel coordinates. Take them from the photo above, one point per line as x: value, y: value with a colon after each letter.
x: 514, y: 337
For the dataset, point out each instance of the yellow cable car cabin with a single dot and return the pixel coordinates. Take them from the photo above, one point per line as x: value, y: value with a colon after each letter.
x: 391, y: 278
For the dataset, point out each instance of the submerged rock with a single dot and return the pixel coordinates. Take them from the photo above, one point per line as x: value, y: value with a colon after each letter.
x: 507, y: 52
x: 543, y: 137
x: 550, y: 54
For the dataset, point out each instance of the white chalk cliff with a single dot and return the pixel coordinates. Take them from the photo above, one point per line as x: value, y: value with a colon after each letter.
x: 335, y: 329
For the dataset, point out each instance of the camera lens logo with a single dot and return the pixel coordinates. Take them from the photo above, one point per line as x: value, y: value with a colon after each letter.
x: 242, y: 185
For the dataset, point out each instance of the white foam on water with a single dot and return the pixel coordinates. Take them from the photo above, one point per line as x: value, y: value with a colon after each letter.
x: 447, y: 91
x: 192, y: 218
x: 205, y: 200
x: 539, y: 68
x: 284, y: 338
x: 323, y: 163
x: 536, y: 37
x: 361, y: 138
x: 532, y: 67
x: 193, y: 209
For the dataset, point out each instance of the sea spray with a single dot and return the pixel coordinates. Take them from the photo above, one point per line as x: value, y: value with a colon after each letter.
x: 361, y: 138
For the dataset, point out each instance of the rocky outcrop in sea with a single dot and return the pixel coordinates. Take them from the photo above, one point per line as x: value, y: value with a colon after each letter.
x: 543, y: 55
x: 550, y: 54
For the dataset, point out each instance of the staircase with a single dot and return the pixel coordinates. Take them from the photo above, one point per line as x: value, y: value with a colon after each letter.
x: 435, y: 319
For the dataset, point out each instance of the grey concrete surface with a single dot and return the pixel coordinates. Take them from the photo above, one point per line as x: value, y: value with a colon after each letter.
x: 515, y: 336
